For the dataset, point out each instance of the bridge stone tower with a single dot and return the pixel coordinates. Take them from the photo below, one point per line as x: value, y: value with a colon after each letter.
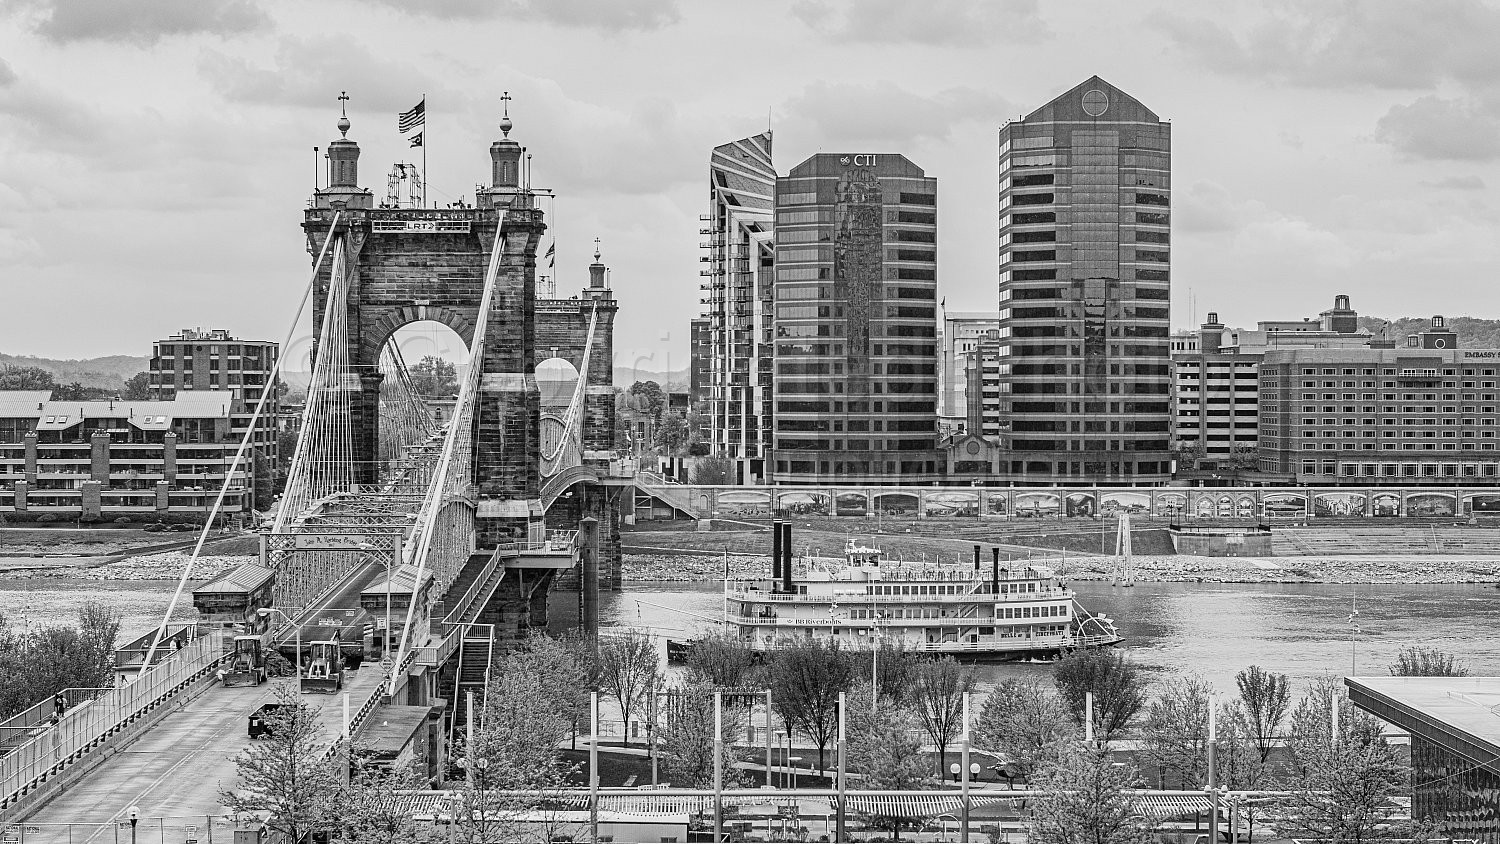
x: 406, y: 265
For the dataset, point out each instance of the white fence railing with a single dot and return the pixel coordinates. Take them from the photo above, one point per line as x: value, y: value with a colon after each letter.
x: 83, y: 729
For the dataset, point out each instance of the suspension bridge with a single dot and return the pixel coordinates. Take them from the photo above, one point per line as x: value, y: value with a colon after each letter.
x: 404, y: 550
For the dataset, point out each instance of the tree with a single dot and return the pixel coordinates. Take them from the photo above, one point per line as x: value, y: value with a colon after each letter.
x: 672, y: 434
x: 1344, y: 778
x: 288, y: 774
x: 806, y: 678
x: 894, y: 670
x: 1417, y: 661
x: 137, y: 387
x: 370, y: 809
x: 435, y: 377
x: 1081, y: 799
x: 713, y: 470
x: 937, y: 697
x: 628, y: 670
x: 1175, y: 733
x: 652, y: 394
x: 26, y: 378
x: 687, y: 739
x: 885, y: 749
x: 1117, y: 684
x: 1263, y: 703
x: 721, y: 661
x: 42, y: 661
x: 1025, y: 722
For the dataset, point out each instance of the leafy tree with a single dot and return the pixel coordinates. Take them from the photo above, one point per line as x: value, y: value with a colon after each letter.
x: 937, y: 698
x: 652, y: 394
x: 435, y: 377
x: 368, y: 808
x: 896, y: 668
x: 1026, y: 722
x: 1264, y: 700
x: 806, y: 678
x: 1081, y: 798
x: 687, y: 739
x: 26, y: 378
x: 1344, y: 778
x: 137, y: 387
x: 721, y: 661
x: 288, y: 774
x: 672, y: 434
x: 42, y: 661
x: 885, y: 749
x: 1418, y: 661
x: 1175, y: 733
x: 1117, y: 683
x: 713, y: 470
x: 628, y: 670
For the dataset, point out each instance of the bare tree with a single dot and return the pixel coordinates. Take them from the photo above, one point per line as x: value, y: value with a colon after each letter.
x: 287, y: 774
x: 1024, y: 721
x: 937, y: 698
x: 629, y: 668
x: 1081, y: 798
x: 806, y: 678
x: 1175, y: 733
x: 722, y: 661
x: 1118, y: 687
x: 1417, y: 661
x: 1263, y: 704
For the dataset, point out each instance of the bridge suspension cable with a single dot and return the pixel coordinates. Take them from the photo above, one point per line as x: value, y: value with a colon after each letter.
x: 567, y: 449
x: 239, y: 455
x: 323, y: 463
x: 405, y: 419
x: 453, y: 474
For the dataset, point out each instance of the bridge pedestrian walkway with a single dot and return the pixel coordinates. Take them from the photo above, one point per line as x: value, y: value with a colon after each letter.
x: 179, y: 768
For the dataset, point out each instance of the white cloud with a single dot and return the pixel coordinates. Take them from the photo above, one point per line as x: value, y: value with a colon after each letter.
x: 938, y: 23
x: 1443, y: 129
x: 604, y: 15
x: 139, y: 22
x: 881, y: 113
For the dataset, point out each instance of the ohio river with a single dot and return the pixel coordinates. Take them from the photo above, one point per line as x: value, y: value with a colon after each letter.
x: 1209, y: 629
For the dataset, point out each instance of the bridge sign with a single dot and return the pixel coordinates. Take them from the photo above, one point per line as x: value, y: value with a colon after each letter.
x: 421, y: 222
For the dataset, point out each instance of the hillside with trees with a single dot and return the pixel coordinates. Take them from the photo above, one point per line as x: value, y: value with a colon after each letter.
x: 1473, y: 333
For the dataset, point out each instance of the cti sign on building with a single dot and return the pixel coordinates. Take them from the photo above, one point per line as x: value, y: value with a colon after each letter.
x: 861, y: 160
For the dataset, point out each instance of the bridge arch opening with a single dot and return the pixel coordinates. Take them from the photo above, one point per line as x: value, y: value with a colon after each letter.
x: 556, y: 379
x: 436, y: 356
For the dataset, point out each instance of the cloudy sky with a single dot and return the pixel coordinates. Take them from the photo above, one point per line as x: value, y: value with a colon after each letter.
x: 155, y: 155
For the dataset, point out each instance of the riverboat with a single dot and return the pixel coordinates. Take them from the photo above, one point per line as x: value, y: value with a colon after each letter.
x: 1020, y: 610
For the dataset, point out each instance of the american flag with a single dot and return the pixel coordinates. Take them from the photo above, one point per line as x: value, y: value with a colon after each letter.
x: 417, y: 116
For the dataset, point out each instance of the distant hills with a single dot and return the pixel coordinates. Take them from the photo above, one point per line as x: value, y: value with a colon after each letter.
x: 106, y: 372
x: 1473, y: 333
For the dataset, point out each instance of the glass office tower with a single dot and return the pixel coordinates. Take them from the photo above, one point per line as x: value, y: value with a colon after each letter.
x: 855, y: 380
x: 1085, y: 256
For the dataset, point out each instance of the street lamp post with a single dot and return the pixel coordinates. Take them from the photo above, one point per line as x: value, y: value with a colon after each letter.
x: 135, y: 816
x: 265, y: 612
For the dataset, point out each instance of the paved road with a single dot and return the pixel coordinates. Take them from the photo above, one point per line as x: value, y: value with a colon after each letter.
x: 177, y: 769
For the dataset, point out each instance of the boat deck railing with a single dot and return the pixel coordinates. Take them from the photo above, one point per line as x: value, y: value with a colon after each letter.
x: 984, y: 596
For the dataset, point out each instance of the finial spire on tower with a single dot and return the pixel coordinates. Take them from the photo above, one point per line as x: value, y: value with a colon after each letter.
x: 596, y: 250
x: 505, y: 123
x: 343, y: 114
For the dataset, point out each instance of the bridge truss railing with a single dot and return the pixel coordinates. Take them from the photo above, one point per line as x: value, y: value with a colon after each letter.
x: 83, y: 729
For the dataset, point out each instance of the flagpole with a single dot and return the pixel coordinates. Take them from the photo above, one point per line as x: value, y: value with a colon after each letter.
x: 426, y: 183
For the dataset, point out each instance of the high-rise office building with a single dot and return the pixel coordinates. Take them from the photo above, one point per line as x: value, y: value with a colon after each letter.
x: 856, y: 322
x: 197, y: 360
x: 737, y: 304
x: 1085, y: 223
x: 960, y: 334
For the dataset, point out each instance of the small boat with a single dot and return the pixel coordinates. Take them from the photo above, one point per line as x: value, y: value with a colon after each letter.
x: 863, y: 600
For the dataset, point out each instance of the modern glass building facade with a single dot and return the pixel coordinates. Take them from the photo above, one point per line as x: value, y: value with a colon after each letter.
x: 1085, y: 257
x: 736, y: 341
x: 856, y: 322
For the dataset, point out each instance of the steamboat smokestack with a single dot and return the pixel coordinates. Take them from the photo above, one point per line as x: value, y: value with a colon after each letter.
x: 994, y: 572
x: 775, y: 553
x: 786, y: 558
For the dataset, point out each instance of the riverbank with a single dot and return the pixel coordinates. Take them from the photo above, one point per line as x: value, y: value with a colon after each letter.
x: 1178, y: 568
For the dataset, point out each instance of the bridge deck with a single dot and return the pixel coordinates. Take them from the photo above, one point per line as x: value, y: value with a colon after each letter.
x: 179, y: 768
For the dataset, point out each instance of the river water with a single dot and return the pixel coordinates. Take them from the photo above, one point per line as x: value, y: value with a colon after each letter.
x: 1212, y: 630
x: 1209, y: 629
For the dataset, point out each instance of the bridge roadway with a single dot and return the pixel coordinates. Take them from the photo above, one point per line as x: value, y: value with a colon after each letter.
x: 178, y: 768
